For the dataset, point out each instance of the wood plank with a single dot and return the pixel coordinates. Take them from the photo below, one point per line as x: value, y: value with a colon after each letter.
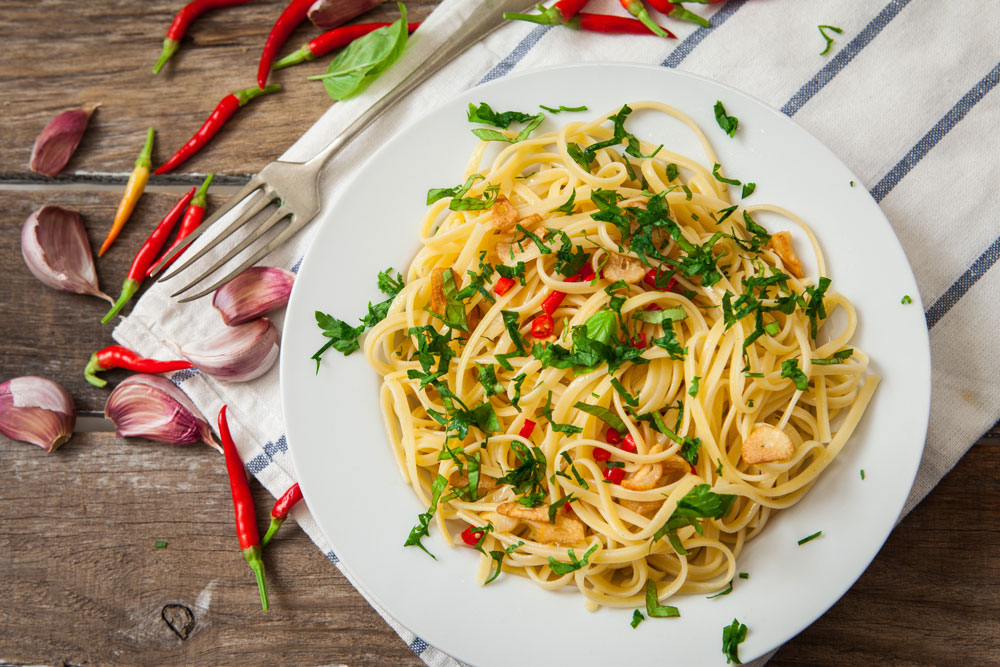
x: 108, y: 59
x: 51, y: 333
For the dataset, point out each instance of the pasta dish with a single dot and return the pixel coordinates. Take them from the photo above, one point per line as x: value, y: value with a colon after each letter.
x: 602, y: 371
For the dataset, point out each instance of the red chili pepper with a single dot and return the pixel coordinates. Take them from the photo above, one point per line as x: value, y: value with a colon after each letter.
x: 677, y: 11
x: 116, y: 356
x: 542, y: 326
x: 182, y: 21
x: 330, y: 40
x: 282, y: 506
x: 601, y: 454
x: 653, y: 306
x: 609, y: 24
x: 144, y: 258
x: 612, y: 436
x: 560, y: 12
x: 294, y: 14
x: 639, y: 340
x: 693, y: 470
x: 472, y: 537
x: 527, y: 429
x: 223, y: 112
x: 503, y: 285
x: 638, y: 10
x: 628, y: 444
x: 246, y: 515
x: 614, y: 475
x: 555, y: 299
x: 192, y: 218
x: 651, y: 277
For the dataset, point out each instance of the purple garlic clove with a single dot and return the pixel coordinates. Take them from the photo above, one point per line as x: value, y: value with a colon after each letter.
x: 152, y: 407
x: 58, y: 140
x: 327, y: 14
x: 238, y: 353
x: 55, y: 247
x: 255, y: 292
x: 36, y: 410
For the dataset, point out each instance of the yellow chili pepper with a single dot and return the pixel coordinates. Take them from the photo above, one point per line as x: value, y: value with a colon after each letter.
x: 133, y: 190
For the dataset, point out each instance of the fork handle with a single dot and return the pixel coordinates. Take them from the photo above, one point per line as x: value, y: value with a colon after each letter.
x: 477, y: 26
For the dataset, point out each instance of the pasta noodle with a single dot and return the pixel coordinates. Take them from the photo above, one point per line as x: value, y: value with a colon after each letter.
x: 682, y: 396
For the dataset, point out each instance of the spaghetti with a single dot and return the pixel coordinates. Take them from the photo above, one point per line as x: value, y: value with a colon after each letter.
x: 605, y: 371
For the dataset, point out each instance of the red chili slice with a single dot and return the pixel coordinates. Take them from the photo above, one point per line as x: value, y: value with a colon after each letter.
x: 653, y: 306
x: 527, y: 429
x: 614, y: 475
x: 639, y: 341
x: 472, y: 537
x: 601, y: 454
x: 628, y: 444
x: 651, y: 277
x: 542, y: 326
x: 503, y: 285
x: 612, y: 437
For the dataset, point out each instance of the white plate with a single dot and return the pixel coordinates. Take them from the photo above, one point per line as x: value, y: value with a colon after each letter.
x: 353, y: 487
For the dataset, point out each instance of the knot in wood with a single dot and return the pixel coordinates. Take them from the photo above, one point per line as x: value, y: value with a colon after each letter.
x: 178, y: 618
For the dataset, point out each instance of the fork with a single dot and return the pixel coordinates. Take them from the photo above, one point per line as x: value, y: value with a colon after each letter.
x: 294, y: 186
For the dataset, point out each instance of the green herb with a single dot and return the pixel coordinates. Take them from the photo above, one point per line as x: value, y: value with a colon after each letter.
x: 726, y: 212
x: 862, y: 473
x: 629, y: 399
x: 512, y: 272
x: 604, y: 414
x: 754, y: 375
x: 772, y: 328
x: 577, y: 154
x: 726, y: 591
x: 637, y: 618
x: 460, y: 417
x: 569, y: 258
x: 421, y: 530
x: 760, y: 235
x: 574, y: 564
x: 430, y: 346
x: 518, y: 381
x: 488, y: 379
x: 748, y: 189
x: 653, y: 606
x: 510, y: 318
x: 726, y: 122
x: 906, y: 299
x: 790, y: 369
x: 568, y: 206
x: 561, y: 108
x: 672, y: 172
x: 353, y: 69
x: 699, y: 503
x: 732, y: 636
x: 542, y: 248
x: 828, y: 38
x: 454, y: 310
x: 435, y: 194
x: 687, y: 192
x: 810, y: 538
x: 528, y: 477
x: 568, y: 429
x: 594, y: 343
x: 484, y: 113
x: 689, y: 450
x: 670, y: 343
x: 744, y: 575
x: 837, y: 358
x: 815, y: 310
x: 576, y: 474
x: 675, y: 314
x: 161, y: 544
x: 474, y: 203
x: 554, y: 507
x: 494, y: 135
x: 750, y: 403
x: 721, y: 179
x: 693, y: 391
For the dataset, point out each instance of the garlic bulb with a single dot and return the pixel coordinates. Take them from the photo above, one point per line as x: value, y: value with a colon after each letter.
x: 255, y: 292
x: 36, y: 410
x: 238, y: 353
x: 58, y: 140
x: 152, y: 407
x: 55, y: 247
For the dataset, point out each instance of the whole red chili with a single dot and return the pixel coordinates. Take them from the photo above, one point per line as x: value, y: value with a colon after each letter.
x: 294, y: 14
x: 638, y: 10
x: 503, y: 285
x: 330, y: 40
x: 183, y: 19
x: 607, y: 23
x: 116, y: 356
x: 542, y: 326
x: 558, y: 13
x: 282, y: 506
x: 677, y: 11
x: 527, y: 429
x: 192, y: 218
x: 147, y: 253
x: 223, y: 112
x: 472, y: 537
x: 246, y: 515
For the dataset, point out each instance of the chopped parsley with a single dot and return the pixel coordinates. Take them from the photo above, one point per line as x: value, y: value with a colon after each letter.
x: 454, y: 310
x: 605, y: 415
x: 568, y: 429
x: 828, y: 38
x: 485, y: 114
x: 567, y: 206
x: 565, y: 568
x: 732, y: 636
x: 653, y: 606
x: 748, y: 189
x: 528, y: 477
x: 458, y: 191
x: 726, y: 122
x: 161, y: 544
x: 460, y: 417
x: 862, y: 473
x: 744, y: 575
x: 810, y: 538
x: 637, y: 618
x: 422, y: 529
x: 579, y: 480
x: 699, y: 503
x: 906, y: 300
x: 488, y: 379
x: 790, y: 369
x: 726, y: 591
x: 561, y: 108
x: 693, y: 391
x: 719, y: 177
x: 837, y: 358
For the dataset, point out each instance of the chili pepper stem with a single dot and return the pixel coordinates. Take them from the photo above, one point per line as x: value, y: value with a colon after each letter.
x: 304, y: 54
x: 638, y: 10
x: 129, y: 288
x: 271, y: 530
x: 91, y: 371
x: 252, y: 554
x: 169, y: 49
x: 547, y: 16
x: 248, y: 94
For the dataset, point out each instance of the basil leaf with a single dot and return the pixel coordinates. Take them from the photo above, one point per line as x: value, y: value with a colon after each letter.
x: 602, y: 326
x: 561, y: 108
x: 604, y: 414
x: 653, y: 606
x: 574, y: 564
x: 732, y: 636
x: 484, y: 113
x: 422, y: 529
x: 837, y: 358
x: 675, y: 314
x: 353, y: 69
x: 435, y: 194
x: 790, y: 369
x: 726, y: 122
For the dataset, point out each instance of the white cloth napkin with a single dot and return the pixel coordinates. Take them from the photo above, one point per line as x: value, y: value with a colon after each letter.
x: 905, y: 98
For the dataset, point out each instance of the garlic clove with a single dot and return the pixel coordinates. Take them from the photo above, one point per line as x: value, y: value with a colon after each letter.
x: 255, y: 292
x: 327, y: 14
x: 57, y: 142
x: 55, y: 247
x: 152, y: 407
x: 238, y: 353
x: 36, y: 410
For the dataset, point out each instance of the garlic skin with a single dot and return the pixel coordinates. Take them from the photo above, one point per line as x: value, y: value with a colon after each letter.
x: 255, y: 292
x: 58, y: 140
x: 36, y: 410
x: 236, y: 354
x: 55, y: 247
x: 152, y: 407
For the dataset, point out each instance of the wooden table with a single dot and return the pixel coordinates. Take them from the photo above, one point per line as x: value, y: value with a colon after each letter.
x: 83, y: 582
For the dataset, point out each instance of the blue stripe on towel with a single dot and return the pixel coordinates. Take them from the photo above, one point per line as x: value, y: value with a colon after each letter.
x: 514, y: 57
x: 280, y: 445
x: 959, y: 288
x: 844, y: 56
x: 418, y: 645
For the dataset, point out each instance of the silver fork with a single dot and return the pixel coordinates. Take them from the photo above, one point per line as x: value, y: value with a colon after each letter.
x: 294, y: 186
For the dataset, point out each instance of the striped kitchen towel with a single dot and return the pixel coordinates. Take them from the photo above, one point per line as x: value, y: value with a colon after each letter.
x: 905, y: 97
